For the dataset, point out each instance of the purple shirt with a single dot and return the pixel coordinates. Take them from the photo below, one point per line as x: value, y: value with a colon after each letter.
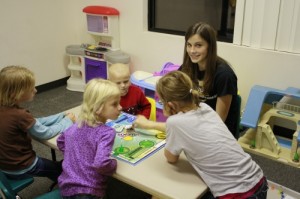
x: 87, y: 162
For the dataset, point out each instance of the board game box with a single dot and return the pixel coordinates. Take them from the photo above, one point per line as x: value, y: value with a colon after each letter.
x: 134, y: 145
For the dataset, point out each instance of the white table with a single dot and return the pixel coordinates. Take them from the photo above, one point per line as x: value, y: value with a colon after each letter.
x: 155, y: 176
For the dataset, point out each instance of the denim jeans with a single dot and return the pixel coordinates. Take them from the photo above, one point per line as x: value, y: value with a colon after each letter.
x: 43, y: 168
x: 261, y: 192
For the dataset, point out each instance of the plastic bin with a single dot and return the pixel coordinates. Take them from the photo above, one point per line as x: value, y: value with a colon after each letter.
x: 113, y: 57
x: 75, y: 50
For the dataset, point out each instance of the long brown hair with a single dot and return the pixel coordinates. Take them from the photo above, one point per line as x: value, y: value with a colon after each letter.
x: 206, y: 32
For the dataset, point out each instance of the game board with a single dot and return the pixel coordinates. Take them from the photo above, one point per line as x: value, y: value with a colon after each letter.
x: 134, y: 145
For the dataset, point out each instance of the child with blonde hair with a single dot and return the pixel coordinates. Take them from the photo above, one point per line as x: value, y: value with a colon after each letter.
x: 197, y: 130
x: 87, y: 145
x: 133, y: 100
x: 17, y: 126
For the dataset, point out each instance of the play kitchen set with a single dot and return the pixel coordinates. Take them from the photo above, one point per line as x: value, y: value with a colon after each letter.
x: 88, y: 61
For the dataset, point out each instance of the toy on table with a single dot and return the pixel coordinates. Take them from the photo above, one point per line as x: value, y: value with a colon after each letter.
x: 273, y: 123
x: 134, y: 145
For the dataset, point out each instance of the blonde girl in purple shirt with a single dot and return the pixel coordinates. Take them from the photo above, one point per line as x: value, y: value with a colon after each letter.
x: 87, y: 144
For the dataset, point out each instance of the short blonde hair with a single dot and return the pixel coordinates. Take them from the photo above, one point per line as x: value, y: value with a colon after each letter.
x: 96, y: 94
x: 118, y: 69
x: 14, y: 82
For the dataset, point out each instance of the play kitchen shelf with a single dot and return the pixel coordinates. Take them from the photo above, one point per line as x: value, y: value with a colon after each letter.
x: 88, y: 61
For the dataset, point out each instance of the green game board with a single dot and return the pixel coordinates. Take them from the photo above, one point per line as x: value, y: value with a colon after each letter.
x: 132, y: 146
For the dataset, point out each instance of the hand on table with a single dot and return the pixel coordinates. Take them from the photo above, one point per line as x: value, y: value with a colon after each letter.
x: 71, y: 116
x: 141, y: 122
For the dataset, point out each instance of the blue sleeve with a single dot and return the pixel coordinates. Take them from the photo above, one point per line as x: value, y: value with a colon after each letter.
x: 42, y: 131
x: 52, y: 119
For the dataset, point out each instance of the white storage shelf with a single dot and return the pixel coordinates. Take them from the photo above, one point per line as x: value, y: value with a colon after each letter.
x: 76, y: 82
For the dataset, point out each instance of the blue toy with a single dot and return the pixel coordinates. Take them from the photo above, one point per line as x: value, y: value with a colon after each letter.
x: 265, y: 111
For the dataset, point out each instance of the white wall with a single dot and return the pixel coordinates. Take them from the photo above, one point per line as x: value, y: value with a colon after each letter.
x: 35, y: 33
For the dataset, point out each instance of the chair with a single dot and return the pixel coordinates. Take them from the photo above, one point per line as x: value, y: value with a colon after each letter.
x: 55, y: 194
x: 10, y: 188
x: 153, y: 109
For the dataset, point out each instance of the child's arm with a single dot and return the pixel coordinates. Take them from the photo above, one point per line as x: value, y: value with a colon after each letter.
x: 170, y: 157
x: 44, y: 132
x: 142, y: 122
x: 223, y: 105
x: 103, y: 161
x: 52, y: 119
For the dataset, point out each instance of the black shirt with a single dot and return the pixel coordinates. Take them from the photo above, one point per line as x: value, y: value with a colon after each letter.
x: 224, y: 83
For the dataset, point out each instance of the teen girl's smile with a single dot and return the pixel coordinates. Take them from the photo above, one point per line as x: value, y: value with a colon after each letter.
x: 197, y: 48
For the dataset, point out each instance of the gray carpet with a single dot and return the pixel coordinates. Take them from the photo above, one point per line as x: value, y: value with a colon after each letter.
x: 60, y: 99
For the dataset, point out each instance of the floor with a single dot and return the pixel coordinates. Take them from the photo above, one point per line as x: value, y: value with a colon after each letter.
x: 285, y: 178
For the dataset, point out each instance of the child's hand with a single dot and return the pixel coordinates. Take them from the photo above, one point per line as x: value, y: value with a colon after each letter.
x: 71, y: 116
x: 141, y: 122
